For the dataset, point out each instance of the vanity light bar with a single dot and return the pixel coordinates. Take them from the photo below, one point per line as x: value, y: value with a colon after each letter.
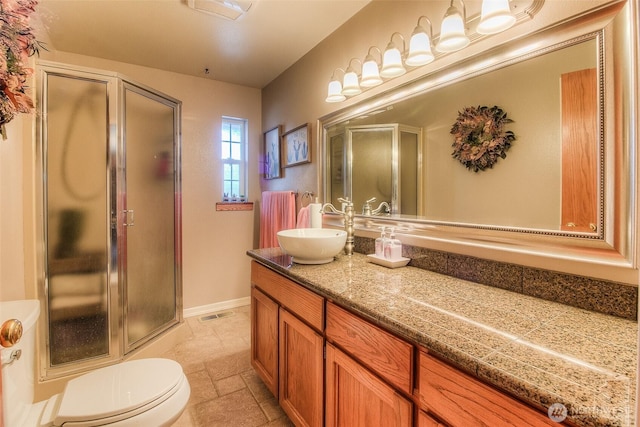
x: 496, y: 16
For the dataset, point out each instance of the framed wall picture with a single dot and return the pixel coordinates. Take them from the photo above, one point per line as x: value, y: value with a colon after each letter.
x: 296, y: 146
x: 272, y: 153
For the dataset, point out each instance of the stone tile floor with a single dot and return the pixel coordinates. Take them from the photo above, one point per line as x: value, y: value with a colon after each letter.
x: 225, y: 390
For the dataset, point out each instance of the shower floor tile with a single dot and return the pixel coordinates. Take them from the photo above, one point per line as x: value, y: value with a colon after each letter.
x: 225, y: 390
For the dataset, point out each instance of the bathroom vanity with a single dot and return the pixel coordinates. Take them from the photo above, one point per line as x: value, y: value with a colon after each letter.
x: 353, y: 343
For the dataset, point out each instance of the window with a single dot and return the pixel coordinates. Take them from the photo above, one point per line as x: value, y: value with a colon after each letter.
x: 234, y: 157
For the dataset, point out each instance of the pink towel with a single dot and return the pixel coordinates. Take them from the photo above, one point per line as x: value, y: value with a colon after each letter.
x: 278, y: 212
x: 304, y: 218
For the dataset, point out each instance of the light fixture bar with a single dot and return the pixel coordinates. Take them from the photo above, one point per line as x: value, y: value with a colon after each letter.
x: 496, y: 16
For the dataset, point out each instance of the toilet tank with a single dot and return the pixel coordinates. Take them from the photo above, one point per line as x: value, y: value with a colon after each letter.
x: 18, y: 377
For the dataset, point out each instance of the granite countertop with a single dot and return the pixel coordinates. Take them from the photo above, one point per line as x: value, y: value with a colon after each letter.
x: 541, y: 351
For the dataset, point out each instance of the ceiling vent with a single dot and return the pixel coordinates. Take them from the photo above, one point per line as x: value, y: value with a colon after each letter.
x: 228, y: 9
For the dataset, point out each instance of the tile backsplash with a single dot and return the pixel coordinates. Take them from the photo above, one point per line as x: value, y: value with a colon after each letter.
x: 613, y: 298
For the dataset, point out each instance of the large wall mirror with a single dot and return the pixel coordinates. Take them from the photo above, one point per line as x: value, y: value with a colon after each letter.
x: 564, y: 188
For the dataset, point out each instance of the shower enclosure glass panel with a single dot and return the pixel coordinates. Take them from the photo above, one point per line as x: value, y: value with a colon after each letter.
x: 372, y: 166
x: 110, y: 202
x: 76, y: 210
x: 150, y: 294
x: 377, y: 161
x: 409, y: 177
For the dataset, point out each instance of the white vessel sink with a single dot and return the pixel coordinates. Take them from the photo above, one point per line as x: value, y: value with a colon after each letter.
x: 312, y: 245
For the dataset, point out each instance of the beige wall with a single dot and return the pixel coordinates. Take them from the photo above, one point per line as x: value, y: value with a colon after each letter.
x: 215, y: 266
x: 11, y: 212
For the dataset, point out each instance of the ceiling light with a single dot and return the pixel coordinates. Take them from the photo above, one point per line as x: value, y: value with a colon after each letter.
x: 420, y: 45
x: 392, y: 59
x: 453, y: 35
x: 496, y: 16
x: 228, y: 9
x: 370, y: 70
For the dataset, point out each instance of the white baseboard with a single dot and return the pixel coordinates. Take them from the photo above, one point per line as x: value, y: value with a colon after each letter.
x: 218, y: 306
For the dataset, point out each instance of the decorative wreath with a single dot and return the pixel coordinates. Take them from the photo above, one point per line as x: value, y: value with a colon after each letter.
x: 17, y: 44
x: 480, y: 137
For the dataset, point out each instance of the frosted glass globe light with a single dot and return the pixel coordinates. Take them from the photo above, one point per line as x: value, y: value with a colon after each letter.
x: 419, y: 49
x: 334, y: 92
x: 453, y: 35
x: 495, y: 17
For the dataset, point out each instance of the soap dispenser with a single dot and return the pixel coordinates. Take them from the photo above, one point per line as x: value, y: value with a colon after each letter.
x: 380, y: 243
x: 393, y: 247
x: 315, y: 214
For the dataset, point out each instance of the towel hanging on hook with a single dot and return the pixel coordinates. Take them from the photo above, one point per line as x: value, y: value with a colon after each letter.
x: 277, y: 212
x: 307, y: 195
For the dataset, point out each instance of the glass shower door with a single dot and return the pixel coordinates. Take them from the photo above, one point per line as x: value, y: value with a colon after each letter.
x: 150, y: 242
x: 372, y: 165
x: 76, y: 206
x: 109, y: 200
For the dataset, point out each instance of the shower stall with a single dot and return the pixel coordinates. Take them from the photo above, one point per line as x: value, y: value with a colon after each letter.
x: 110, y: 209
x: 381, y: 161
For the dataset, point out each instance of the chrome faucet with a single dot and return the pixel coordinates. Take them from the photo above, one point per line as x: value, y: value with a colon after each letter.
x: 385, y: 205
x: 366, y: 208
x: 347, y: 215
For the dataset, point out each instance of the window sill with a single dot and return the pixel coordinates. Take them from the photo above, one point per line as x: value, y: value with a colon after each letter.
x: 234, y: 206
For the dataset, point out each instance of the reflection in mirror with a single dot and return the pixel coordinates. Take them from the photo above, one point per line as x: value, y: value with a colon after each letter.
x: 550, y: 178
x: 375, y: 166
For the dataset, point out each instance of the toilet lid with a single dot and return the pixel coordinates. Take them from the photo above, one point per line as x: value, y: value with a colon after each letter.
x: 117, y: 389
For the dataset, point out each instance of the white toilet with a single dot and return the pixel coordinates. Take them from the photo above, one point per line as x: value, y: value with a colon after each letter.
x: 145, y: 392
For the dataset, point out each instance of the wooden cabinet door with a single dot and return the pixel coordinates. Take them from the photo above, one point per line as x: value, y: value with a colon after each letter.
x: 264, y: 339
x: 580, y: 151
x: 426, y: 420
x: 357, y: 398
x: 301, y: 368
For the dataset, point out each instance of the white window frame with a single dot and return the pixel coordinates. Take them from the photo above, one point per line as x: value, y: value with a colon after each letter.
x: 228, y: 160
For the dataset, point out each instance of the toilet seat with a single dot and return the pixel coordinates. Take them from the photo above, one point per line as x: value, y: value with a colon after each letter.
x: 118, y: 392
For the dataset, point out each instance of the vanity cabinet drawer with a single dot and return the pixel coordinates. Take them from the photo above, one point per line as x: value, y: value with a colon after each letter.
x: 461, y: 400
x: 426, y: 420
x: 296, y: 299
x: 386, y: 355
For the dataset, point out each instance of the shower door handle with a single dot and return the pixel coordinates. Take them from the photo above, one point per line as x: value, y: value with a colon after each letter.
x: 129, y: 215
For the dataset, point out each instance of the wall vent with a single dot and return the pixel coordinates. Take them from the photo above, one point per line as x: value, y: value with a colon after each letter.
x: 228, y: 9
x: 213, y: 316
